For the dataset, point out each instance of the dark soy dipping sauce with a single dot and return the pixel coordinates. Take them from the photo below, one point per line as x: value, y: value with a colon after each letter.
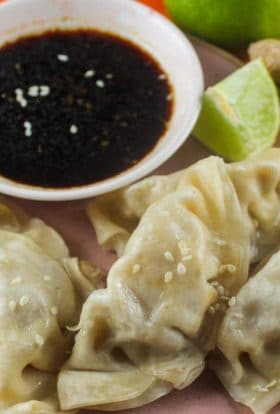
x: 78, y: 107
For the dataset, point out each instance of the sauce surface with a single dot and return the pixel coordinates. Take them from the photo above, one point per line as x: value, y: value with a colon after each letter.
x: 78, y: 107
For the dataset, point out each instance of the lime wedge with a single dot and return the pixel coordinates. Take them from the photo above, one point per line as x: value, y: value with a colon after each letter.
x: 240, y: 116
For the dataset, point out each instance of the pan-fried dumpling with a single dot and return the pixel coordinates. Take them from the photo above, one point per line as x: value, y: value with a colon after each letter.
x: 249, y: 341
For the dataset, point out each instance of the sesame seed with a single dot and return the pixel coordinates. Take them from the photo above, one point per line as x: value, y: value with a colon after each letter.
x: 100, y: 83
x: 44, y: 90
x: 109, y: 76
x: 215, y: 284
x: 47, y: 278
x: 181, y: 269
x: 162, y: 76
x: 168, y: 277
x: 39, y: 340
x: 12, y: 305
x: 62, y: 58
x: 16, y: 281
x: 232, y: 301
x: 169, y: 97
x: 74, y: 129
x: 24, y: 300
x: 27, y: 125
x: 183, y: 247
x: 169, y: 256
x: 33, y: 91
x: 28, y: 128
x: 20, y: 98
x: 54, y: 310
x: 136, y: 268
x: 89, y: 73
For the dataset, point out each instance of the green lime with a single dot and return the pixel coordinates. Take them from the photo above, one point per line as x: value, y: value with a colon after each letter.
x: 229, y: 23
x: 240, y: 116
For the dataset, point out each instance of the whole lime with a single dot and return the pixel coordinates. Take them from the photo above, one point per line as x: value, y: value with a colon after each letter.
x: 228, y: 23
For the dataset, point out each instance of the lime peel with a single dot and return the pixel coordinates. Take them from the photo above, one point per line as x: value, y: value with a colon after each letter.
x: 240, y: 116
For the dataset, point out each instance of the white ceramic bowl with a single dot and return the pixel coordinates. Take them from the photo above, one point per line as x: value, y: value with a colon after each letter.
x: 141, y: 25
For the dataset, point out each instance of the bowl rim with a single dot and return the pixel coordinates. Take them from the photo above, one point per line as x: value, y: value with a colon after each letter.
x: 143, y: 167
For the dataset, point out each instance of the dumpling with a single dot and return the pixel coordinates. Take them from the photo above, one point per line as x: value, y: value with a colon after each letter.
x: 249, y: 341
x: 116, y: 215
x: 150, y: 330
x: 41, y: 295
x: 14, y: 219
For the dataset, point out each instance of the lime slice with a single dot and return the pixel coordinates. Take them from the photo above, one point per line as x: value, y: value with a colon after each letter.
x: 240, y: 116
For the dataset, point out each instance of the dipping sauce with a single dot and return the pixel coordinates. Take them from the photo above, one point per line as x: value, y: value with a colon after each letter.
x: 77, y: 107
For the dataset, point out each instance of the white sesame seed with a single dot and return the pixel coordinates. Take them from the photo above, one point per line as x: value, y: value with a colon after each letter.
x: 54, y: 310
x: 33, y: 91
x: 62, y: 58
x: 28, y: 129
x: 232, y: 301
x: 181, y: 269
x: 12, y: 305
x: 89, y: 73
x: 162, y: 76
x: 136, y: 268
x: 44, y: 90
x: 169, y: 97
x: 27, y: 125
x: 109, y: 76
x: 23, y: 103
x: 19, y: 91
x: 183, y: 247
x: 20, y: 98
x: 100, y: 83
x: 169, y: 256
x: 74, y: 129
x: 168, y: 277
x: 47, y: 278
x: 16, y: 281
x: 24, y: 300
x: 39, y: 340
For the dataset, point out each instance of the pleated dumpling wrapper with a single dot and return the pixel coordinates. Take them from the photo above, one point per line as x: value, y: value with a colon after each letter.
x: 249, y: 341
x: 150, y: 329
x: 41, y: 293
